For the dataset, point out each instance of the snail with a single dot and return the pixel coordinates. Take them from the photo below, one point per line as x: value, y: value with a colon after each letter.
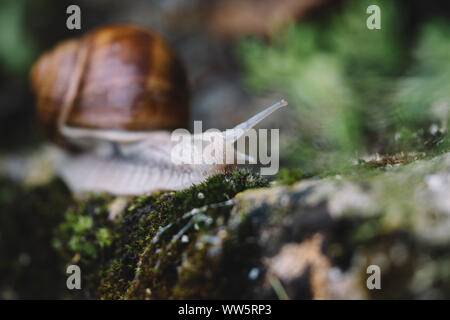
x: 110, y: 100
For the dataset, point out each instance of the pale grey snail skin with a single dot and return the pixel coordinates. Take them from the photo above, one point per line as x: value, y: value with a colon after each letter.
x: 140, y: 164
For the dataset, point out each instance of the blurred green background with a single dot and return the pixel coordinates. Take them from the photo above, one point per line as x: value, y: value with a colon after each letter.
x: 357, y: 91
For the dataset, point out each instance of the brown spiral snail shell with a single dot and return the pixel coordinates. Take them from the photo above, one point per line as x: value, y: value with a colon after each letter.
x: 113, y: 96
x: 119, y: 77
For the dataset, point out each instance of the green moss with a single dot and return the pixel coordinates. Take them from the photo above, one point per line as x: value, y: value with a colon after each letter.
x: 290, y: 176
x: 86, y: 237
x: 159, y: 232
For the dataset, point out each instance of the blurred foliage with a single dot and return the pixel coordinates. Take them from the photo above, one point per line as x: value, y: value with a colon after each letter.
x: 16, y: 49
x: 26, y: 29
x: 346, y: 83
x: 422, y: 99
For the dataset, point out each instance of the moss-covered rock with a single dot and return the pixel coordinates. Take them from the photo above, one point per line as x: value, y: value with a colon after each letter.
x: 319, y: 236
x: 141, y: 254
x: 313, y: 239
x: 309, y: 239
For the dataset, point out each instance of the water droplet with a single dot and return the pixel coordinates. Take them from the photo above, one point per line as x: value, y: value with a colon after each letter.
x: 253, y: 274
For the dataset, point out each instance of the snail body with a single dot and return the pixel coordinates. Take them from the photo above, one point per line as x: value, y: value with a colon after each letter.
x: 110, y: 100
